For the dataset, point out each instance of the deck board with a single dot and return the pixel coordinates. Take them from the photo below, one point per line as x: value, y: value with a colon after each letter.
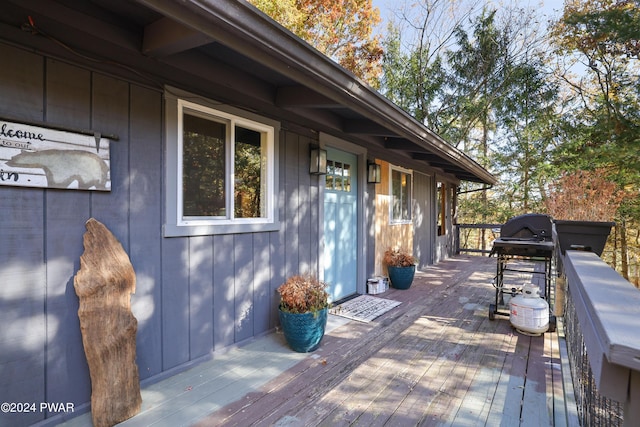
x: 535, y: 390
x: 502, y: 412
x: 435, y: 360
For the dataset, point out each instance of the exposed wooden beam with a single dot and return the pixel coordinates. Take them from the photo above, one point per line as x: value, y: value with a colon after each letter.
x: 58, y: 13
x: 165, y: 37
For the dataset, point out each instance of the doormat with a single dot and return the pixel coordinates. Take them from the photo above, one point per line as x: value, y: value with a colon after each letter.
x: 364, y: 308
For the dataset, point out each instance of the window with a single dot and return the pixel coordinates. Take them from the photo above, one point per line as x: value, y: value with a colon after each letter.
x: 338, y: 177
x: 222, y: 177
x: 453, y: 203
x: 400, y: 195
x: 442, y: 229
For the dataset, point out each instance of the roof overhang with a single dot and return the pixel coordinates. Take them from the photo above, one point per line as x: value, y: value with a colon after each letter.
x: 233, y: 52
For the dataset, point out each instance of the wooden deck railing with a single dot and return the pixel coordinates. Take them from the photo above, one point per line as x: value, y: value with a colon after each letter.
x: 475, y: 238
x: 601, y: 317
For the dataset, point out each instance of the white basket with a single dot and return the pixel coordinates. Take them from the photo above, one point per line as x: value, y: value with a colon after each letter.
x: 377, y: 285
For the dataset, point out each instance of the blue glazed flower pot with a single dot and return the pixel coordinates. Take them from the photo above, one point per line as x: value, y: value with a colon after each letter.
x: 303, y: 331
x: 401, y: 277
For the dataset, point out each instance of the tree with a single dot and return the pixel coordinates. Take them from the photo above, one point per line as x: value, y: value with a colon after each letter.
x: 601, y: 127
x: 341, y: 29
x: 415, y: 80
x: 502, y: 107
x: 527, y: 118
x: 415, y: 70
x: 478, y: 79
x: 605, y: 119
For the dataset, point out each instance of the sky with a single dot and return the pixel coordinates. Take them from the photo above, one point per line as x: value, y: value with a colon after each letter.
x: 548, y: 8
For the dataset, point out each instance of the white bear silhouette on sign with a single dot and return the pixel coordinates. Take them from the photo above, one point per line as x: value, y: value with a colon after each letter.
x: 62, y: 167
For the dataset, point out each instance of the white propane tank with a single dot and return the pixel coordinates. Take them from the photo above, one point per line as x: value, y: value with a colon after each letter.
x: 528, y: 312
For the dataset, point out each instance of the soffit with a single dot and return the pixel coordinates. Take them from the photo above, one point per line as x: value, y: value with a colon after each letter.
x: 234, y: 53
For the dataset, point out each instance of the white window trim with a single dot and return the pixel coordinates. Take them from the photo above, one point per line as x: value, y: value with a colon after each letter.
x: 178, y: 225
x: 409, y: 172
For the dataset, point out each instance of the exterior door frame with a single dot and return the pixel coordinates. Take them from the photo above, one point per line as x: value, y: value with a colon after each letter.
x: 327, y: 140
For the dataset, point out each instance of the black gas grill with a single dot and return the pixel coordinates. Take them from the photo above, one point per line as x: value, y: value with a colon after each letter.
x: 524, y: 238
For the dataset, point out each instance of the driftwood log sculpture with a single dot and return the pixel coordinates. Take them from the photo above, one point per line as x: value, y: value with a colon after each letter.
x: 104, y: 284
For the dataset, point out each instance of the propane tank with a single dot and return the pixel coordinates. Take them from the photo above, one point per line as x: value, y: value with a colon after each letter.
x: 528, y: 312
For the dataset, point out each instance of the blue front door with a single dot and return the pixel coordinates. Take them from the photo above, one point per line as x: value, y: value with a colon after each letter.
x: 340, y: 224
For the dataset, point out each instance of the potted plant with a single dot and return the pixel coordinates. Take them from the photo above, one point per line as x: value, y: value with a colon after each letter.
x: 401, y: 267
x: 583, y: 205
x: 304, y: 302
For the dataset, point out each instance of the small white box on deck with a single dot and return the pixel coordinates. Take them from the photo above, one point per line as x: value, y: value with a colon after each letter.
x: 377, y: 285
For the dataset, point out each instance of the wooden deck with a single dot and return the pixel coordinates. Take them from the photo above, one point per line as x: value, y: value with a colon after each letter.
x: 435, y: 360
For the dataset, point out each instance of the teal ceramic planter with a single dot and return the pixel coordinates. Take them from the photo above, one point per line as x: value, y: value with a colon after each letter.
x: 303, y: 331
x: 401, y: 277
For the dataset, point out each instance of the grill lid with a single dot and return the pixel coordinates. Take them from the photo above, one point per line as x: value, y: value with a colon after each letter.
x: 533, y: 227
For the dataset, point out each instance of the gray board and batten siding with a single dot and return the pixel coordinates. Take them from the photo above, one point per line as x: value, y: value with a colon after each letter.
x: 200, y: 294
x: 194, y: 295
x: 423, y: 213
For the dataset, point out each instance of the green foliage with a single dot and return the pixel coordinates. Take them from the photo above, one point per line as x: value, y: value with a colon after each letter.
x: 248, y: 177
x: 488, y: 85
x: 203, y: 169
x: 611, y: 27
x: 413, y: 80
x: 600, y: 123
x: 487, y: 92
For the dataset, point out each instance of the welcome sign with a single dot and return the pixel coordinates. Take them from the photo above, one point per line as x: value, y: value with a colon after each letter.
x: 36, y: 156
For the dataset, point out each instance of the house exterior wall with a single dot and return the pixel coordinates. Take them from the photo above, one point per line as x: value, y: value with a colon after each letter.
x: 415, y: 236
x: 388, y: 235
x: 194, y: 295
x: 423, y: 219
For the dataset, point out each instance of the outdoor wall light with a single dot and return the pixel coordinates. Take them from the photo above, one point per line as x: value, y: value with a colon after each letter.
x: 318, y: 164
x: 373, y: 173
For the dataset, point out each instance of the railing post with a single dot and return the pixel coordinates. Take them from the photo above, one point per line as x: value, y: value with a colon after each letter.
x: 459, y: 234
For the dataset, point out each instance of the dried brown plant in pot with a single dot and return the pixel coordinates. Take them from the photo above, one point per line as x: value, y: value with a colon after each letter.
x: 303, y: 294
